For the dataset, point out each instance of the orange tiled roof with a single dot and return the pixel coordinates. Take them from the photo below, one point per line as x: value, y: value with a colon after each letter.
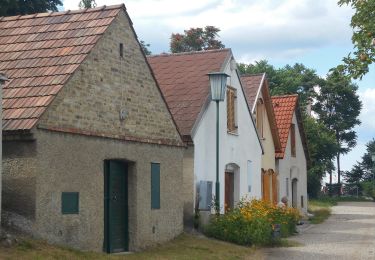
x: 284, y: 107
x: 39, y: 53
x: 251, y: 85
x: 184, y: 82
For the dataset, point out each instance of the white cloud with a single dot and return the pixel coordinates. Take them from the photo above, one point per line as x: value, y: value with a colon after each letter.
x: 368, y: 111
x: 253, y: 29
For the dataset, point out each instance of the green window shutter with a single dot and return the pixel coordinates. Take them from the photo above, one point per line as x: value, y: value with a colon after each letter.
x: 155, y: 186
x: 70, y: 203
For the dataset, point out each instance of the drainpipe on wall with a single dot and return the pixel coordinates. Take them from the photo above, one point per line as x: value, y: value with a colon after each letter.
x: 3, y: 78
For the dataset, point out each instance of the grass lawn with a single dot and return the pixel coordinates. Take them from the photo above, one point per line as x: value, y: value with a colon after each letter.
x: 184, y: 247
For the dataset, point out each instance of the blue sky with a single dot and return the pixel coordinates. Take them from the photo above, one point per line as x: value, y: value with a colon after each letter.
x: 313, y: 32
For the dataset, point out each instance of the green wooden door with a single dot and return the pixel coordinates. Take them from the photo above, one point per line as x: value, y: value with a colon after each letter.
x: 116, y: 207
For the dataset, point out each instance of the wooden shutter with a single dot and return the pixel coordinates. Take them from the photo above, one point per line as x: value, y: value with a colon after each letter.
x: 155, y: 186
x: 259, y: 118
x: 70, y: 203
x: 274, y: 188
x: 231, y: 122
x: 293, y: 139
x: 266, y: 186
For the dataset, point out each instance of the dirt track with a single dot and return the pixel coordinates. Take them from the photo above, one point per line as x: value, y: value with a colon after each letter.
x: 349, y: 233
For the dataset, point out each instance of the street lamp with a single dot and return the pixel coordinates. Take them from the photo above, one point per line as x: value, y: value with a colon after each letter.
x: 373, y: 170
x: 218, y: 82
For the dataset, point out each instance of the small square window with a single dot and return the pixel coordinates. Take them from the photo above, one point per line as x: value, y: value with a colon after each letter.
x: 70, y: 202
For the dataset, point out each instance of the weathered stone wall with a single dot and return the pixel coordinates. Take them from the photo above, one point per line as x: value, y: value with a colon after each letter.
x: 104, y: 84
x: 20, y: 167
x: 75, y: 163
x: 188, y: 186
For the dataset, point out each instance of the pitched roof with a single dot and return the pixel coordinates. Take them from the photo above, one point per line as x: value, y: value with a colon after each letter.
x: 184, y: 82
x: 39, y: 53
x: 253, y: 85
x: 284, y: 107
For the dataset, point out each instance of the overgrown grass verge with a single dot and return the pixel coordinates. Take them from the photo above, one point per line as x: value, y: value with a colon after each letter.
x: 185, y: 246
x: 321, y: 208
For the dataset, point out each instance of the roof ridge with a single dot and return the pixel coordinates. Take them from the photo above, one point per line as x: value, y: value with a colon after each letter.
x: 285, y: 96
x: 65, y: 12
x: 188, y: 53
x: 252, y: 74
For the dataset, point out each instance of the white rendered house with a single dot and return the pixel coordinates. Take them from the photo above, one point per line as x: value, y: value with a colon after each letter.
x: 292, y: 161
x: 185, y: 85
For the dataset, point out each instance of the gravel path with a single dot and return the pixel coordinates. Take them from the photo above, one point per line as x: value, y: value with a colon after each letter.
x: 349, y: 233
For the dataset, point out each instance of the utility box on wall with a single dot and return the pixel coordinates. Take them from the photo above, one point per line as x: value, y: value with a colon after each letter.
x: 205, y: 195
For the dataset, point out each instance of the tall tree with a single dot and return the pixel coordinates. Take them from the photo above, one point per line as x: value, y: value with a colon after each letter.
x: 87, y: 4
x: 21, y: 7
x: 356, y: 64
x: 338, y: 108
x: 196, y: 39
x: 322, y: 148
x: 367, y: 164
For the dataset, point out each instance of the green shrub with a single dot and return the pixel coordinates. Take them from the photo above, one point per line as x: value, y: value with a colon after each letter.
x: 252, y: 222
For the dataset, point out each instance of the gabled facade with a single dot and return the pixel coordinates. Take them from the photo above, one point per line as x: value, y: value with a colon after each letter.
x: 292, y: 160
x: 92, y: 157
x: 185, y: 85
x: 259, y: 99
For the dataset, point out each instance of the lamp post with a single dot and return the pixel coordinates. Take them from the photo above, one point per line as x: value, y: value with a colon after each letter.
x: 218, y: 83
x: 373, y: 170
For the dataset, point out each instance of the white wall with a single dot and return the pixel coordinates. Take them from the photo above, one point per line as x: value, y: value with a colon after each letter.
x: 293, y: 167
x: 236, y: 149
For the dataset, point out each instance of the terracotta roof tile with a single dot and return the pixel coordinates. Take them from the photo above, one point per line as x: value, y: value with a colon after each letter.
x: 39, y: 52
x: 284, y: 107
x: 184, y: 82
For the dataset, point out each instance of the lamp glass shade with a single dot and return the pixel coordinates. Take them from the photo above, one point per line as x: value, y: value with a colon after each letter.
x: 218, y: 82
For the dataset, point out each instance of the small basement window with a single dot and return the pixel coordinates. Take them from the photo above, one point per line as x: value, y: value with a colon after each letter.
x: 70, y: 203
x: 121, y: 50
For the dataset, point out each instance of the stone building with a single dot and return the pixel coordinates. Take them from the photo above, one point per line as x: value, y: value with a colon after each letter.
x: 91, y: 155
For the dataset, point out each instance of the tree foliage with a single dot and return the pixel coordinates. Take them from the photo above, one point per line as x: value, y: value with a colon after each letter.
x: 145, y: 47
x: 362, y: 171
x: 22, y: 7
x: 196, y: 39
x: 322, y: 148
x: 356, y: 64
x: 87, y: 4
x: 338, y: 108
x: 295, y: 79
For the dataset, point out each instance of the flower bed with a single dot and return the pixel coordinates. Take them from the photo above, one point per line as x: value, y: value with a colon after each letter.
x: 252, y: 223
